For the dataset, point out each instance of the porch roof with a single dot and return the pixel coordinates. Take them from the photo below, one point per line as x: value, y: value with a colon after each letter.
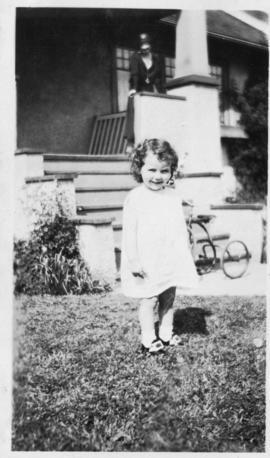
x: 220, y: 24
x: 224, y: 26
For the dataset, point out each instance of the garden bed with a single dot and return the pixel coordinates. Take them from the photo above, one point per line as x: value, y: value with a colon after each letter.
x: 82, y: 384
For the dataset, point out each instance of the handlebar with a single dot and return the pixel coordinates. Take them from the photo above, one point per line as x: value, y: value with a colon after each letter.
x: 206, y: 218
x: 202, y: 218
x: 188, y: 203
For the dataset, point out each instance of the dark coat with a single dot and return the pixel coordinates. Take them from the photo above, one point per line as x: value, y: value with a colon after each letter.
x: 139, y: 75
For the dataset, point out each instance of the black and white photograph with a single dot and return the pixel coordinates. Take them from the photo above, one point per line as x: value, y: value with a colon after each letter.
x: 134, y: 173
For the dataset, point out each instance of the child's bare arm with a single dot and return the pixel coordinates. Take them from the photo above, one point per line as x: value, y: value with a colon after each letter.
x: 137, y: 270
x: 130, y: 225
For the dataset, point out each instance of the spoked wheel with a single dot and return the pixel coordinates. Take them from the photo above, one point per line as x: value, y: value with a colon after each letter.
x: 206, y: 259
x: 235, y: 259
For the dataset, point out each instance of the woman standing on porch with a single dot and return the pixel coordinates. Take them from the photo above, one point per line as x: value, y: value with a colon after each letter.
x: 146, y: 74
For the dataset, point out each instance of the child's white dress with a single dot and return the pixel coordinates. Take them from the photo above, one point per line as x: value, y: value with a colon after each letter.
x: 155, y: 236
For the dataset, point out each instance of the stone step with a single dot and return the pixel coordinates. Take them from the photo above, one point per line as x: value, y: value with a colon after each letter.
x: 99, y: 179
x: 54, y: 163
x: 86, y: 196
x: 101, y: 211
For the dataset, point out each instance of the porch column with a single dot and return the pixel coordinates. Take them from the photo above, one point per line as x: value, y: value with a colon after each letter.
x: 192, y: 81
x: 191, y: 54
x: 7, y: 148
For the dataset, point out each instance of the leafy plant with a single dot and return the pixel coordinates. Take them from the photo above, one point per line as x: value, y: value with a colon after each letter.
x: 63, y: 276
x: 249, y: 157
x: 28, y: 279
x: 50, y: 262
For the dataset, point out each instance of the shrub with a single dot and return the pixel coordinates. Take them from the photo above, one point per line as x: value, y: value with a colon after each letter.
x: 50, y: 262
x: 249, y: 157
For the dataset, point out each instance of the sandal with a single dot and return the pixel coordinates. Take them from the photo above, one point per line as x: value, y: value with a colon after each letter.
x: 155, y: 347
x: 174, y: 340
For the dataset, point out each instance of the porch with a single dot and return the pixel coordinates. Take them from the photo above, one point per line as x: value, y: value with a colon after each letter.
x: 66, y: 80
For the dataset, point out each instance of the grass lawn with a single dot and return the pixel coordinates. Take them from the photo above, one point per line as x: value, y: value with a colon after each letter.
x: 81, y: 382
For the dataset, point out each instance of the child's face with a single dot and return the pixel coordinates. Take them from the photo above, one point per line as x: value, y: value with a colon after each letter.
x: 155, y: 173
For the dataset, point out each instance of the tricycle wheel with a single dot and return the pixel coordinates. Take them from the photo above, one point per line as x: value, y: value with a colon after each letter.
x: 235, y: 259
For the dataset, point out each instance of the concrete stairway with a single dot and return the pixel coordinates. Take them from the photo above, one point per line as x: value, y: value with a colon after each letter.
x: 101, y: 185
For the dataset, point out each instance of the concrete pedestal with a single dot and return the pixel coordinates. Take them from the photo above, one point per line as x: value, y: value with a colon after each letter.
x: 160, y: 116
x: 42, y: 198
x: 28, y: 163
x: 96, y: 244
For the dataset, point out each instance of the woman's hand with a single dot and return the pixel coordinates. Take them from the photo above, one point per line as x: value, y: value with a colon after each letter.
x: 132, y: 92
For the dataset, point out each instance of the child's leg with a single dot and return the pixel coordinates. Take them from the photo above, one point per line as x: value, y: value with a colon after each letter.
x: 147, y: 320
x: 165, y: 312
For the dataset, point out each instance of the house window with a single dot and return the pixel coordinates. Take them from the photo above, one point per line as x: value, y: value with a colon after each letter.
x: 169, y: 68
x: 122, y: 58
x: 217, y: 72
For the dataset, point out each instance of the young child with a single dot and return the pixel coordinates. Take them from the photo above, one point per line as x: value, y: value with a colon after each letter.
x: 155, y: 253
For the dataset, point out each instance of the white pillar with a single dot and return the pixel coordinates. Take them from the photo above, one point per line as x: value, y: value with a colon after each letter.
x: 191, y: 44
x: 7, y: 149
x: 202, y: 125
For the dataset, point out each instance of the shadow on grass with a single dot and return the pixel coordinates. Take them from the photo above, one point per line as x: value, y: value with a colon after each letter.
x: 191, y: 320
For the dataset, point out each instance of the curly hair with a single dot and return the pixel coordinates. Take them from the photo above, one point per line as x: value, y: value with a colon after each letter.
x: 161, y: 148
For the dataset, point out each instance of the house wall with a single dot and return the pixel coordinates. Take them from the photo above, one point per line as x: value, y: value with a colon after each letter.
x: 65, y: 72
x: 64, y: 78
x: 242, y: 62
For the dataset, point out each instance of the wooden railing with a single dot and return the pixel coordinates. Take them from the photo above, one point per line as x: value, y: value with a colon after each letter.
x: 108, y: 135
